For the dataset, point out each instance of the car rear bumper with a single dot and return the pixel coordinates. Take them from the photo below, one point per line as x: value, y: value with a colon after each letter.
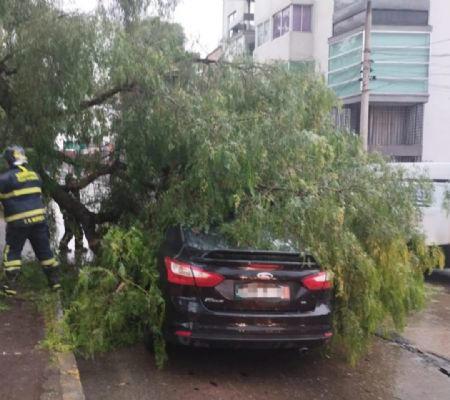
x: 195, y: 325
x: 288, y: 343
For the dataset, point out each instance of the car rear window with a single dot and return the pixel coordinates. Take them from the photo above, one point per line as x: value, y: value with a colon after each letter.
x: 205, y: 241
x: 216, y: 241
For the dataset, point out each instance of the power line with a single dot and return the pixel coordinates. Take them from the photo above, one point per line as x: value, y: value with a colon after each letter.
x: 415, y: 47
x: 441, y: 41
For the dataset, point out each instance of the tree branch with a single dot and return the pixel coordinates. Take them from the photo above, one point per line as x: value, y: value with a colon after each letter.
x: 6, y: 58
x: 102, y: 97
x: 100, y: 171
x: 237, y: 65
x: 61, y: 156
x: 5, y: 96
x: 108, y: 216
x: 4, y: 69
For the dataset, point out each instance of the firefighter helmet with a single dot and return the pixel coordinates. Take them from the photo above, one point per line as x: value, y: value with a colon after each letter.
x: 15, y: 155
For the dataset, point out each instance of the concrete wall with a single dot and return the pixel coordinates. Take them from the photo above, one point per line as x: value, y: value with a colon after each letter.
x: 301, y: 46
x: 436, y: 143
x: 323, y: 30
x: 278, y: 49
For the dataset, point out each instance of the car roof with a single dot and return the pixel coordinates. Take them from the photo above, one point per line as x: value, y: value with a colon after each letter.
x: 434, y: 170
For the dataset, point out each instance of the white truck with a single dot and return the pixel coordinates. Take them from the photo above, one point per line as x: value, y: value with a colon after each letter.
x: 436, y: 218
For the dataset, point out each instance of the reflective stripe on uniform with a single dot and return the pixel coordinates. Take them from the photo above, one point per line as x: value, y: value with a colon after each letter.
x: 25, y: 175
x: 5, y: 253
x: 12, y: 269
x: 27, y: 214
x: 20, y: 192
x: 12, y: 263
x: 9, y: 292
x: 50, y: 263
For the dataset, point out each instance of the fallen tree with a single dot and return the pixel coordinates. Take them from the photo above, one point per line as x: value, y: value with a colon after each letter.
x: 238, y: 147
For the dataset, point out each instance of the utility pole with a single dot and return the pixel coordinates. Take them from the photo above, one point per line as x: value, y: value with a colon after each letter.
x: 367, y: 69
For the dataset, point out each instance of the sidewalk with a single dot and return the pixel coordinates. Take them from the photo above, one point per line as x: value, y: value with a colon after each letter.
x: 429, y: 330
x: 26, y: 372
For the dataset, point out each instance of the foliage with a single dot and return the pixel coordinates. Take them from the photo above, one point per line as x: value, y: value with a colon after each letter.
x: 56, y: 331
x: 3, y: 305
x: 116, y: 302
x: 240, y: 147
x: 253, y: 152
x: 446, y: 200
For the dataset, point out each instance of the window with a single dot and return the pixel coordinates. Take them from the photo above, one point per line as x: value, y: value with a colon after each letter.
x: 259, y: 34
x: 263, y: 33
x: 302, y: 17
x: 400, y: 17
x: 281, y: 22
x: 285, y: 20
x: 277, y: 25
x: 231, y: 19
x: 252, y: 7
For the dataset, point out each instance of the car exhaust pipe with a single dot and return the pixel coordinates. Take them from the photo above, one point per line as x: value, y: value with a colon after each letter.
x: 303, y: 350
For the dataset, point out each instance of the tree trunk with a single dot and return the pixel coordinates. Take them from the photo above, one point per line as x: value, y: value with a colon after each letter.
x: 76, y: 209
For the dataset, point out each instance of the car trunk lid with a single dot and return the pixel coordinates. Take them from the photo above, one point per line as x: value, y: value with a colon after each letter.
x: 260, y: 281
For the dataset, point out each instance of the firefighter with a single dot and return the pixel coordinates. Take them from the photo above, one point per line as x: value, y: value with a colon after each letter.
x: 21, y: 196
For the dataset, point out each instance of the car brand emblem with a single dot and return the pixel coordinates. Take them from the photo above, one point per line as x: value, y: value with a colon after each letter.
x: 267, y: 276
x: 212, y: 300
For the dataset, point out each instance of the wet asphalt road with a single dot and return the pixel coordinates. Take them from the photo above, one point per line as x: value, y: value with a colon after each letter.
x: 387, y: 372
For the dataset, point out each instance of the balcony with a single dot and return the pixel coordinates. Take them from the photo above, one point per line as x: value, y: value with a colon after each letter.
x: 241, y: 39
x: 246, y: 24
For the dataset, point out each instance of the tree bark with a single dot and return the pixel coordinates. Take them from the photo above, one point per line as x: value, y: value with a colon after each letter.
x: 86, y: 218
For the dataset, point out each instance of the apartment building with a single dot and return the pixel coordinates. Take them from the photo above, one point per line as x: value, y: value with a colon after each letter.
x: 294, y: 31
x: 238, y: 36
x: 410, y: 88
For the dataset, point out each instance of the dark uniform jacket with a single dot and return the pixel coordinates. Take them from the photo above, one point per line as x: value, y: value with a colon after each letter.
x: 21, y: 196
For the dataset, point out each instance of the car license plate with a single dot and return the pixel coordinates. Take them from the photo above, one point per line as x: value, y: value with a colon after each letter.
x: 262, y: 291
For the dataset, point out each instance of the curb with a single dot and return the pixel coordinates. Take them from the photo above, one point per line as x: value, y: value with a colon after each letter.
x: 69, y: 375
x: 436, y: 360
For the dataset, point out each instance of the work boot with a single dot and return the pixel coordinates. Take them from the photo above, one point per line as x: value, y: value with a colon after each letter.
x: 8, y: 290
x: 10, y: 284
x: 52, y: 274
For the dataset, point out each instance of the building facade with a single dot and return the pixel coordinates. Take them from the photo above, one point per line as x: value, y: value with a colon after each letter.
x: 407, y: 121
x: 238, y: 34
x: 294, y: 31
x: 409, y: 118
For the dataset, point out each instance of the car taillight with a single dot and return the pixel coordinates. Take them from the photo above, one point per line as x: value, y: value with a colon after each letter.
x: 319, y: 281
x: 183, y: 333
x: 182, y: 273
x: 262, y: 267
